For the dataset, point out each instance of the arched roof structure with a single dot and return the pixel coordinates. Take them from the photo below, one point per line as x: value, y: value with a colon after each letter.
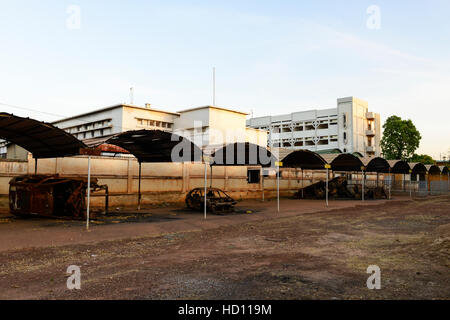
x: 399, y: 166
x: 418, y: 168
x: 433, y: 169
x: 42, y: 139
x: 243, y: 154
x: 157, y: 146
x: 304, y: 159
x: 376, y: 164
x: 343, y: 162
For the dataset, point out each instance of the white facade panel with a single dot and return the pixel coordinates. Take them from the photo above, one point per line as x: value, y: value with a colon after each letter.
x: 344, y: 127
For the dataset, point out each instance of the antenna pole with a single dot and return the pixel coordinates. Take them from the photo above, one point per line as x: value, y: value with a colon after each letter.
x: 131, y: 95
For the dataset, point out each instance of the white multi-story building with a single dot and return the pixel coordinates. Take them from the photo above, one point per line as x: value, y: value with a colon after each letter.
x: 207, y: 126
x: 349, y: 127
x: 116, y: 119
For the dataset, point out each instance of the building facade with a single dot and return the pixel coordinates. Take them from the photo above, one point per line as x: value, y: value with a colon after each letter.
x: 349, y: 127
x: 116, y: 119
x: 206, y: 126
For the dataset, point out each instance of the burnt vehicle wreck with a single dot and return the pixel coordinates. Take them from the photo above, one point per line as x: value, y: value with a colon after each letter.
x: 51, y: 196
x: 339, y: 188
x: 217, y: 201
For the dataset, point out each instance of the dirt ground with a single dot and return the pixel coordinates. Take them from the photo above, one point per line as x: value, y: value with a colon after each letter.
x: 307, y: 255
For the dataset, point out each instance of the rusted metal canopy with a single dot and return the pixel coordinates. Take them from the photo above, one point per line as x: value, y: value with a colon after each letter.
x: 376, y: 164
x: 304, y: 159
x: 243, y: 154
x: 417, y: 168
x: 399, y: 166
x: 433, y: 169
x: 157, y: 146
x: 343, y: 162
x: 42, y: 139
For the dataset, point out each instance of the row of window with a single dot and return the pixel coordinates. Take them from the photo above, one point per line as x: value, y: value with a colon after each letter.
x: 89, y: 126
x: 300, y: 127
x: 93, y: 134
x: 154, y: 123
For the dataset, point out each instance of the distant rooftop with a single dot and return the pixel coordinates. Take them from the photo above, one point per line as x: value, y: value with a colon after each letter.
x: 212, y: 107
x: 111, y: 108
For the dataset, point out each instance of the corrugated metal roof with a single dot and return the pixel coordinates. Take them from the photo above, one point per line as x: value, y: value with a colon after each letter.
x: 42, y: 139
x: 375, y: 164
x: 417, y: 167
x: 304, y: 159
x: 433, y: 169
x: 157, y: 146
x: 243, y: 154
x: 280, y: 153
x: 399, y: 166
x: 343, y: 162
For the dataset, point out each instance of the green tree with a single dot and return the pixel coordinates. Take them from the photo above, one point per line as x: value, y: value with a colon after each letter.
x: 400, y: 138
x: 423, y: 158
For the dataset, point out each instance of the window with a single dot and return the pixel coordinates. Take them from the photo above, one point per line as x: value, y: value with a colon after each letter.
x: 344, y: 119
x: 253, y: 175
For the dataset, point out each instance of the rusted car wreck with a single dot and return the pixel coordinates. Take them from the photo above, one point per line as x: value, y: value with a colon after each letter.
x: 217, y: 201
x: 51, y: 195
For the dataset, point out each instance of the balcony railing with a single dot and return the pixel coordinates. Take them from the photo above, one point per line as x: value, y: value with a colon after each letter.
x: 370, y: 115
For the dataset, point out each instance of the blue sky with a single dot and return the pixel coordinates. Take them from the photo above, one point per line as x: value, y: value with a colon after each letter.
x: 271, y: 57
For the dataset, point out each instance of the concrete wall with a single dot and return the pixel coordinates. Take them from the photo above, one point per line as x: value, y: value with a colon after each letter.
x: 256, y: 136
x: 161, y: 182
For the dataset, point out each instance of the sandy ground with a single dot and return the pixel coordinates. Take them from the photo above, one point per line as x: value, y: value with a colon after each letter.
x: 304, y: 252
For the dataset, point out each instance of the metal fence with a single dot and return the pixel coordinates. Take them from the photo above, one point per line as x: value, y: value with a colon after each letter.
x: 438, y: 187
x: 392, y: 186
x: 423, y: 189
x: 406, y: 187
